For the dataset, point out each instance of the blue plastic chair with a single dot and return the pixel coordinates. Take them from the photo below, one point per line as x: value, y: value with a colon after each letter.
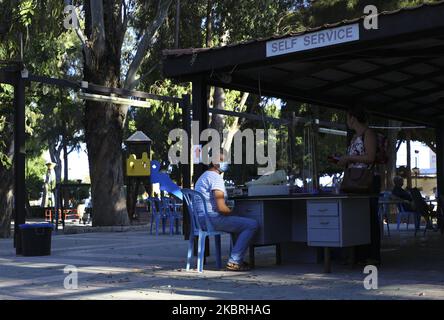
x: 402, y: 213
x: 176, y: 213
x: 157, y: 214
x: 197, y: 207
x: 170, y: 212
x: 384, y: 209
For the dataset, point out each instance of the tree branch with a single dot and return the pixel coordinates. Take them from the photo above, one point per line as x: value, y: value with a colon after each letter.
x: 72, y: 149
x: 81, y: 35
x: 148, y: 39
x: 145, y: 75
x: 432, y: 146
x: 398, y: 145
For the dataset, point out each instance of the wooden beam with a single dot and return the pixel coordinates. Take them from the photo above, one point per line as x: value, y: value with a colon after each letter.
x: 8, y: 76
x: 249, y: 116
x: 94, y: 88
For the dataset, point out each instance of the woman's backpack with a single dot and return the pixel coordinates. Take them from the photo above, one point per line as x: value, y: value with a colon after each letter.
x: 381, y: 148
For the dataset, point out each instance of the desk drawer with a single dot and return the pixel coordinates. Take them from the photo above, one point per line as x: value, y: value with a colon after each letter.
x: 323, y: 235
x: 323, y: 222
x: 323, y: 208
x: 249, y: 208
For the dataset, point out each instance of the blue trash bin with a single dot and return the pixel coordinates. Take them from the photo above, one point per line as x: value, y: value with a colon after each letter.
x: 36, y: 239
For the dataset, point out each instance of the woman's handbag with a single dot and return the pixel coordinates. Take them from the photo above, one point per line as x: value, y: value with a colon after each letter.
x: 358, y: 180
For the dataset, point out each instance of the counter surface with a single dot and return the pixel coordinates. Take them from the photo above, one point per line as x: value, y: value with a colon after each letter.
x: 305, y: 196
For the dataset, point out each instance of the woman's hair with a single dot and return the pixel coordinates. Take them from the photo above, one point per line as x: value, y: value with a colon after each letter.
x: 359, y: 113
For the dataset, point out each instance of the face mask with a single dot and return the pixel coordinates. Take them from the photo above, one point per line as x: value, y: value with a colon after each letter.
x: 223, y: 166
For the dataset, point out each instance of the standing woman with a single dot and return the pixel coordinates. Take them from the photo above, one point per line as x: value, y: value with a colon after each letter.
x: 361, y: 153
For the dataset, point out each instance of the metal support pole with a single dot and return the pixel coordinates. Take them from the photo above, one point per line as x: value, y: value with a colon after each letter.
x: 440, y: 158
x: 19, y: 160
x: 186, y: 167
x: 186, y: 125
x: 409, y: 161
x: 200, y: 113
x: 316, y: 181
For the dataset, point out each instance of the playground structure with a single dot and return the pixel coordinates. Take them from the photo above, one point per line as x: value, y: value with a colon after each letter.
x: 141, y: 170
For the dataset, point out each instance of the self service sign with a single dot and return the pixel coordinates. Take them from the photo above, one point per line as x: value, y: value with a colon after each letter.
x: 313, y: 40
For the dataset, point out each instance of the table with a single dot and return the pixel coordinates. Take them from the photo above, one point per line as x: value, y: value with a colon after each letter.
x: 324, y: 221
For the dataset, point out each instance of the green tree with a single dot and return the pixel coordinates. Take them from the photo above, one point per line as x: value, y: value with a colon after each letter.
x: 35, y: 172
x: 36, y: 25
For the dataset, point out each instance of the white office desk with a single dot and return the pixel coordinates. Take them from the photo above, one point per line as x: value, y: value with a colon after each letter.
x: 325, y: 221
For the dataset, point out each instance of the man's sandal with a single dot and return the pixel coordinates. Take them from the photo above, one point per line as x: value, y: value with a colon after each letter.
x: 237, y: 266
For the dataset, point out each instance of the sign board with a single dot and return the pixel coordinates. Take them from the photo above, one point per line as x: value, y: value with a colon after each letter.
x: 313, y: 40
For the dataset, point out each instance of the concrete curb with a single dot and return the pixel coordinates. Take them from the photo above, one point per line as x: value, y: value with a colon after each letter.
x: 88, y: 229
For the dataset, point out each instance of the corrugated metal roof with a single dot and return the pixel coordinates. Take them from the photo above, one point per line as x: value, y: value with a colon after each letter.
x: 190, y: 51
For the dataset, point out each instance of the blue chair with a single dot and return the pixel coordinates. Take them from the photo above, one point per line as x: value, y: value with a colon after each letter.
x: 384, y: 209
x: 201, y: 228
x: 176, y: 213
x: 170, y: 211
x: 157, y: 214
x: 402, y: 213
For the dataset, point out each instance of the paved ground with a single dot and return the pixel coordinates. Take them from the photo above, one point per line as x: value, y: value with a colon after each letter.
x: 136, y: 265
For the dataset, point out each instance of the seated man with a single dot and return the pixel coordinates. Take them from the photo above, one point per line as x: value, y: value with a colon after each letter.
x: 211, y: 185
x: 422, y: 207
x: 399, y: 192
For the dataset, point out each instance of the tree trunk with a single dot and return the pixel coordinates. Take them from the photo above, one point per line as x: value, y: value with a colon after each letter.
x: 104, y: 135
x: 54, y: 154
x: 6, y: 192
x: 226, y: 145
x: 217, y: 121
x: 177, y: 25
x: 391, y: 165
x: 6, y: 201
x: 105, y: 25
x: 209, y: 24
x: 65, y: 159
